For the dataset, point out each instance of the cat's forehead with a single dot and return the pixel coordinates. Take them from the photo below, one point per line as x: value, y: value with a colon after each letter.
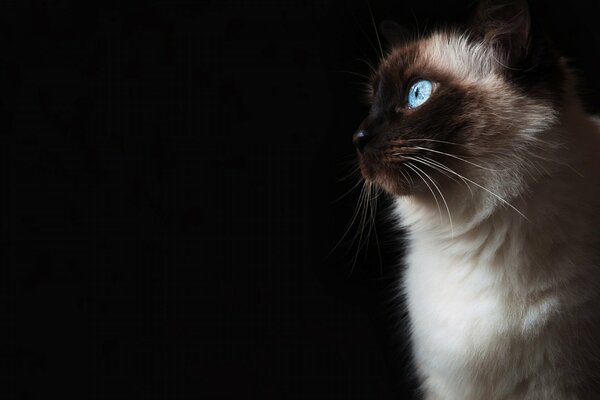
x: 448, y: 54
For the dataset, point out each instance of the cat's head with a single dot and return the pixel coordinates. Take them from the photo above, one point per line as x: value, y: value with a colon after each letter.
x: 461, y: 104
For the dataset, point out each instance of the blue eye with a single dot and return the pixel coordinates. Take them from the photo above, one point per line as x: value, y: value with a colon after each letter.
x: 419, y: 93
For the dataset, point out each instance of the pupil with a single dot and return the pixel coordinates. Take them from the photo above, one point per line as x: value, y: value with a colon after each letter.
x: 417, y: 92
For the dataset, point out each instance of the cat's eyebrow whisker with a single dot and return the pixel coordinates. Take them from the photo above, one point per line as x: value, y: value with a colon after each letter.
x: 441, y: 194
x: 368, y: 78
x: 379, y: 58
x: 375, y: 28
x: 412, y: 167
x: 371, y: 67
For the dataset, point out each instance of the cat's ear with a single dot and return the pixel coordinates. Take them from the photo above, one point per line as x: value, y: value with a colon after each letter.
x: 394, y: 33
x: 505, y: 24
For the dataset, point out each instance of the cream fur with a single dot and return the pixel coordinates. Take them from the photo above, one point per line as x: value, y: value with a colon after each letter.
x: 503, y: 305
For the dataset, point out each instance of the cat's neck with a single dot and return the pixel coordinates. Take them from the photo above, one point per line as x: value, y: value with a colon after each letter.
x: 514, y: 236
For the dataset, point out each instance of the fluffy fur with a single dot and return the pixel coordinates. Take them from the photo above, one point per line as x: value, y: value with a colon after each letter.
x: 496, y: 178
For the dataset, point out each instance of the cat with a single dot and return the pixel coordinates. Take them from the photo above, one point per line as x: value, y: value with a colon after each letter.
x: 494, y: 170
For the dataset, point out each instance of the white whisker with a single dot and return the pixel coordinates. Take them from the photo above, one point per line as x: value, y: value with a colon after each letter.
x: 445, y: 167
x: 456, y: 157
x: 358, y: 182
x: 360, y: 232
x: 443, y: 198
x: 422, y: 161
x: 352, y: 219
x: 434, y: 140
x: 412, y: 167
x: 479, y: 186
x: 493, y: 194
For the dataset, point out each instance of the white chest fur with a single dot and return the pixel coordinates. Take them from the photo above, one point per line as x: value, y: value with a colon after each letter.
x: 453, y: 311
x: 487, y: 308
x: 469, y: 338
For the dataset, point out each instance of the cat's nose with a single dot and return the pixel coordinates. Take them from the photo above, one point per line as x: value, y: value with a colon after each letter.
x: 360, y: 139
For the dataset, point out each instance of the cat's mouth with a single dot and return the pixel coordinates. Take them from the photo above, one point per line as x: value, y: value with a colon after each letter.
x: 390, y: 175
x: 404, y: 168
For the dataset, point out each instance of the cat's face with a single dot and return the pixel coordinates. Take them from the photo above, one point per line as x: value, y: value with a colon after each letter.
x: 480, y: 110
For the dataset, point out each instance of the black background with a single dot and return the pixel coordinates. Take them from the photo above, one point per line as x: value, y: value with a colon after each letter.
x: 170, y: 173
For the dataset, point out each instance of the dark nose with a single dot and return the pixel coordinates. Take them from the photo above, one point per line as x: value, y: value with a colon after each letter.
x: 360, y: 139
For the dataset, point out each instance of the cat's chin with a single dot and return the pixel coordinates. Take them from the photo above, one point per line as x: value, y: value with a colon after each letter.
x: 390, y: 180
x: 397, y: 189
x: 381, y: 175
x: 389, y: 184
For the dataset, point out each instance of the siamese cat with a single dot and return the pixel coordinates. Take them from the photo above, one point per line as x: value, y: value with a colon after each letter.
x: 494, y: 167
